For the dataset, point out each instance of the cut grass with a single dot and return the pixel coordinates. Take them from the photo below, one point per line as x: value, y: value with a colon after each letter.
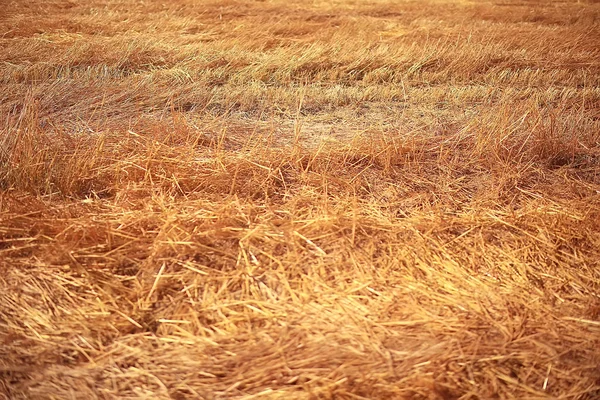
x: 280, y: 200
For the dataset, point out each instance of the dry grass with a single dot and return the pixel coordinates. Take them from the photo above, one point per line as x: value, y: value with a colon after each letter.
x: 276, y: 200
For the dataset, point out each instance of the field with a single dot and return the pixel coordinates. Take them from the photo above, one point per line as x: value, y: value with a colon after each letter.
x: 238, y: 199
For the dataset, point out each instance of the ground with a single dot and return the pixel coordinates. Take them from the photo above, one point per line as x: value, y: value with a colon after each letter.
x: 299, y: 199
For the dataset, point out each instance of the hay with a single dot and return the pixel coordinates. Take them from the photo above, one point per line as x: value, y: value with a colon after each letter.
x: 177, y: 222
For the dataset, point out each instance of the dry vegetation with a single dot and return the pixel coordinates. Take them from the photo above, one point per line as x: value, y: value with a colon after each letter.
x: 299, y: 199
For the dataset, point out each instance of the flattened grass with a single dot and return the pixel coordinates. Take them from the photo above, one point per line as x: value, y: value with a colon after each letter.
x: 249, y: 200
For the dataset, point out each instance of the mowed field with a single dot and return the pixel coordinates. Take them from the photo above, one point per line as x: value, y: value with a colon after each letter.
x: 299, y: 199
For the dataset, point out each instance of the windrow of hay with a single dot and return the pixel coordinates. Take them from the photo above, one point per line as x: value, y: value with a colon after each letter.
x: 201, y: 200
x: 377, y: 269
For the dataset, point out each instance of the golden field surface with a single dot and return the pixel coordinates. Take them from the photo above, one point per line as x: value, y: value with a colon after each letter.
x: 299, y: 199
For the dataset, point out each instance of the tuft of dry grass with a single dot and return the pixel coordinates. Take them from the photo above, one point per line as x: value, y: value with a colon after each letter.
x: 274, y: 200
